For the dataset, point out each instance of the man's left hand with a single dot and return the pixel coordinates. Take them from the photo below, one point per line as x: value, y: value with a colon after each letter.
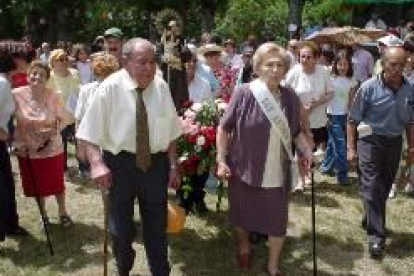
x: 174, y: 178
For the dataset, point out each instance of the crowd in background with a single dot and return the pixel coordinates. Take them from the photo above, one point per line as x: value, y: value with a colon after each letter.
x: 54, y: 84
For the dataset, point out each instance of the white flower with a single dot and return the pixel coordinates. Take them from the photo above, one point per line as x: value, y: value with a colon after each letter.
x: 196, y: 107
x: 190, y: 114
x: 222, y: 106
x: 218, y: 100
x: 183, y: 158
x: 198, y: 148
x: 201, y: 140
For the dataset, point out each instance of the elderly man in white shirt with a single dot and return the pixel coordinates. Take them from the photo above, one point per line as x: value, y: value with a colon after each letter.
x: 9, y: 219
x: 133, y: 120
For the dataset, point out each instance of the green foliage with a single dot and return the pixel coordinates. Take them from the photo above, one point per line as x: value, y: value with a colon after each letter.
x: 86, y: 19
x: 320, y: 11
x: 104, y: 14
x: 263, y: 18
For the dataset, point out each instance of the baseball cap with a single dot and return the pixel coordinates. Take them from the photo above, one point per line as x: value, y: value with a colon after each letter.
x: 115, y: 32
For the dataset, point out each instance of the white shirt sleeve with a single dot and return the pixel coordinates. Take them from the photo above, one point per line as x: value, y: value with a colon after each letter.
x: 7, y: 105
x: 94, y: 125
x: 85, y: 94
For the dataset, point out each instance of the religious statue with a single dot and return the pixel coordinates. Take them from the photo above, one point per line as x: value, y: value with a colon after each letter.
x: 173, y: 58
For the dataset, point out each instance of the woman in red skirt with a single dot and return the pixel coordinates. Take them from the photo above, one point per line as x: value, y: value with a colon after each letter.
x: 40, y: 117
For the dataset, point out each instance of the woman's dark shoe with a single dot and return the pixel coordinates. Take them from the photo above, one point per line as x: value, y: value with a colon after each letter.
x: 66, y: 221
x: 244, y: 260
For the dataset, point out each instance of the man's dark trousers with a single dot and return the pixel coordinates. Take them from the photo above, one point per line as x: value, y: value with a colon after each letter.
x: 378, y: 161
x: 150, y: 188
x: 9, y: 220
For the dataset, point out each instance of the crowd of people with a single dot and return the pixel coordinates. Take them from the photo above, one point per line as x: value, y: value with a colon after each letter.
x: 289, y: 108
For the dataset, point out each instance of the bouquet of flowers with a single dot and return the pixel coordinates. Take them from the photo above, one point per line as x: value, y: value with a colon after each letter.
x: 197, y: 146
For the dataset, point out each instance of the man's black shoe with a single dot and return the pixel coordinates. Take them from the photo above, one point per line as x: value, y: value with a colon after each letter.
x: 17, y: 232
x: 376, y: 250
x: 364, y: 223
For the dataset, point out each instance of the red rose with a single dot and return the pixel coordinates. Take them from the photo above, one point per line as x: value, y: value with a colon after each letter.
x: 192, y: 138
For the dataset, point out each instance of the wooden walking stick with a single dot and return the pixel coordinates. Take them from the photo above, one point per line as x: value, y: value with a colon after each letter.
x: 315, y: 266
x: 105, y: 243
x: 37, y: 197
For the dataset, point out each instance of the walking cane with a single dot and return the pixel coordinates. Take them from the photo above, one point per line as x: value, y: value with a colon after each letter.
x: 104, y: 192
x: 315, y: 267
x: 37, y: 197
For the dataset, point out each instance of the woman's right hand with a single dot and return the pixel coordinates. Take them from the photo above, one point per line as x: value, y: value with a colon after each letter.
x: 223, y: 171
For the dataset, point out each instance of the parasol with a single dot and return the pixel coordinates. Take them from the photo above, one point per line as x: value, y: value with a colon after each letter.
x: 345, y: 35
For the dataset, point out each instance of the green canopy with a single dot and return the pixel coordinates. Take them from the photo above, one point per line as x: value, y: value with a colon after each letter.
x: 378, y: 1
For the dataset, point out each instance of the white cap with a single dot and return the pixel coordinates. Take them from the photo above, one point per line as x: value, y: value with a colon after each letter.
x: 391, y: 41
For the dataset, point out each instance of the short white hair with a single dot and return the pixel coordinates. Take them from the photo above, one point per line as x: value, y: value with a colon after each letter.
x: 133, y: 43
x: 270, y: 47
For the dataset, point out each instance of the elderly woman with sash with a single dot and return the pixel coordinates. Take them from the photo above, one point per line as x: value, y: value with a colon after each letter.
x: 254, y: 152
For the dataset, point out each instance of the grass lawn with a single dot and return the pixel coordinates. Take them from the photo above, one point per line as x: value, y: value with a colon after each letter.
x: 207, y: 246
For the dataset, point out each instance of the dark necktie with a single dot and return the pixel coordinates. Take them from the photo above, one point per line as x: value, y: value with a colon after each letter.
x: 143, y: 152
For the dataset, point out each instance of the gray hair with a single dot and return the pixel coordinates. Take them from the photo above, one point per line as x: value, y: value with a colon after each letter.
x: 270, y: 47
x: 133, y: 44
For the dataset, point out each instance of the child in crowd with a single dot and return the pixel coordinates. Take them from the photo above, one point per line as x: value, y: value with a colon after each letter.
x: 83, y: 64
x: 335, y: 160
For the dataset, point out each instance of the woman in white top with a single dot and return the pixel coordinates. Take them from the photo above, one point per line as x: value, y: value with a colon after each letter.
x: 64, y: 81
x: 103, y: 65
x: 344, y: 90
x: 199, y: 89
x: 312, y: 83
x: 83, y: 63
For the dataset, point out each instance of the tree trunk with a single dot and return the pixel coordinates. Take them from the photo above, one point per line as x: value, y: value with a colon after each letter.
x: 207, y: 20
x: 295, y: 13
x: 61, y: 24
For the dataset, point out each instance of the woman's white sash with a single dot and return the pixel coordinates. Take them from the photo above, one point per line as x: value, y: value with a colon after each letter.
x: 277, y: 119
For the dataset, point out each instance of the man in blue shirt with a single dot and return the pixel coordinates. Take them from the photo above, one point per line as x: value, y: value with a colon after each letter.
x: 381, y: 111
